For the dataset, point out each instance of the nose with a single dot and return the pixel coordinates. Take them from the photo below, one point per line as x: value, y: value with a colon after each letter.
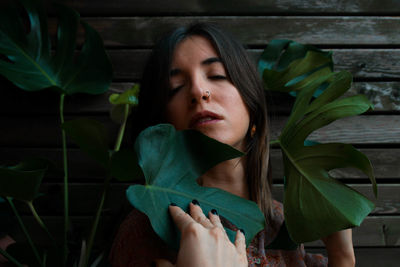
x: 199, y: 92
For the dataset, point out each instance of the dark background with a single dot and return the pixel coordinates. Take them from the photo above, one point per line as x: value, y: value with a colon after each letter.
x: 364, y: 36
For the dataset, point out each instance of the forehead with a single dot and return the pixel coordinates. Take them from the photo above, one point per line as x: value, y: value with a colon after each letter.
x: 192, y: 49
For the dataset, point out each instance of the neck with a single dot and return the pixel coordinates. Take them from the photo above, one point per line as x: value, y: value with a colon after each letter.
x: 229, y: 176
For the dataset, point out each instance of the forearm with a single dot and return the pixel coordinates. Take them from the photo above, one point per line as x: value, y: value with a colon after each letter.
x: 340, y: 249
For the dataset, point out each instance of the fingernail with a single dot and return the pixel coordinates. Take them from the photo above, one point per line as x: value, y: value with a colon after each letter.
x: 241, y: 230
x: 194, y: 201
x: 172, y: 204
x: 214, y: 211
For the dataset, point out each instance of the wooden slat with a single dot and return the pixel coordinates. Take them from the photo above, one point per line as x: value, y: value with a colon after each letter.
x: 51, y: 202
x: 362, y: 63
x: 382, y: 231
x: 370, y: 129
x: 386, y: 163
x: 128, y: 64
x: 230, y: 7
x: 368, y: 63
x: 384, y: 95
x: 137, y: 7
x: 374, y: 231
x: 44, y: 131
x: 371, y: 257
x: 143, y: 31
x: 387, y: 203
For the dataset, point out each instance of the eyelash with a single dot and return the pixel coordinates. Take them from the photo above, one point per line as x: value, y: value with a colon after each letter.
x: 218, y: 77
x: 173, y: 91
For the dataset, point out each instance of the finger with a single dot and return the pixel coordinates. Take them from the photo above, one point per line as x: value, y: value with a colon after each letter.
x: 214, y: 218
x: 240, y: 242
x: 180, y: 218
x: 162, y: 263
x: 197, y: 214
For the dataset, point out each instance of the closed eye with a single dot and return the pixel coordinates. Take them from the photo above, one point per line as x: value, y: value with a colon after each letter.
x: 217, y: 77
x: 174, y: 90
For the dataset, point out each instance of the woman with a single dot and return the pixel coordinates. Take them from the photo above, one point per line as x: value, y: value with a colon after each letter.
x: 200, y: 78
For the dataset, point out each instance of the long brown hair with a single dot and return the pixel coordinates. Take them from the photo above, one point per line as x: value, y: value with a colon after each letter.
x: 243, y: 75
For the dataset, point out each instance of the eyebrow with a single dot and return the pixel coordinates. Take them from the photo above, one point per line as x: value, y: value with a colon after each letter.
x: 206, y: 62
x: 211, y: 60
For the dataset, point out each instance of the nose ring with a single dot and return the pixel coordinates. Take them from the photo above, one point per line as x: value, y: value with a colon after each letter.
x: 207, y: 96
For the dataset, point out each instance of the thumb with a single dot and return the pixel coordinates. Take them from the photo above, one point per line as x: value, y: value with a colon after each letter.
x: 163, y: 263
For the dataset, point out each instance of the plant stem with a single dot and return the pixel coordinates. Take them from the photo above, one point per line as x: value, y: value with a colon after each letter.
x: 45, y: 258
x: 39, y: 220
x: 106, y: 187
x: 10, y: 258
x: 96, y: 220
x: 122, y: 129
x: 64, y: 147
x: 28, y: 237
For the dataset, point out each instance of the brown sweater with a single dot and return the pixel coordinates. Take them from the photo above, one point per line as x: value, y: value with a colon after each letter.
x: 136, y: 244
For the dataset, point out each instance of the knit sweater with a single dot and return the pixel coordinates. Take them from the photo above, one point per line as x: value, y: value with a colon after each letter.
x: 136, y: 244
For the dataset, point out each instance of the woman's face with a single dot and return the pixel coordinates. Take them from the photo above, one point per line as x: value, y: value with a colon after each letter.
x: 202, y: 97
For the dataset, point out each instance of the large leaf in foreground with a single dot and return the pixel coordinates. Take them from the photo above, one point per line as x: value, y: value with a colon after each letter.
x: 171, y: 161
x: 31, y: 65
x: 315, y: 203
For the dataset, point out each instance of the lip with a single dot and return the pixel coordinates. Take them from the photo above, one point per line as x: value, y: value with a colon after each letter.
x: 195, y: 121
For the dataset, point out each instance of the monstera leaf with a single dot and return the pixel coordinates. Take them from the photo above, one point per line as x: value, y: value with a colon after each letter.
x: 23, y: 180
x: 315, y: 203
x: 286, y: 66
x: 171, y: 161
x: 92, y: 138
x: 30, y: 64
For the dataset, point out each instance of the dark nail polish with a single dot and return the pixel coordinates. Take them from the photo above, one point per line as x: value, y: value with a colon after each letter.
x: 214, y: 211
x: 172, y: 204
x: 194, y: 201
x: 241, y: 230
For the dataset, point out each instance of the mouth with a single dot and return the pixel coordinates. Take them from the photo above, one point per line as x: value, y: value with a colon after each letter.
x: 204, y: 118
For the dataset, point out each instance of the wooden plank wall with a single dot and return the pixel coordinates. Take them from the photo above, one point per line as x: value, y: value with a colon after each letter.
x: 364, y: 36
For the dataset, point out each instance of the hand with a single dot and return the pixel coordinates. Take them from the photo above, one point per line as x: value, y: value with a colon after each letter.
x: 204, y: 241
x: 340, y: 249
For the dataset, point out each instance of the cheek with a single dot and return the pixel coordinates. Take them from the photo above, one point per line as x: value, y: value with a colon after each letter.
x: 239, y: 108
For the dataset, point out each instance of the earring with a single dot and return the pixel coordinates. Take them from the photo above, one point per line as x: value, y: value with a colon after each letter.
x: 253, y: 130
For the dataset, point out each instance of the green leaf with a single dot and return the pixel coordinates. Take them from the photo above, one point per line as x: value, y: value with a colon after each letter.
x: 130, y: 97
x: 23, y: 180
x: 315, y: 203
x: 119, y: 101
x: 124, y: 166
x: 32, y: 67
x: 283, y: 240
x: 287, y: 66
x: 171, y: 162
x: 91, y: 136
